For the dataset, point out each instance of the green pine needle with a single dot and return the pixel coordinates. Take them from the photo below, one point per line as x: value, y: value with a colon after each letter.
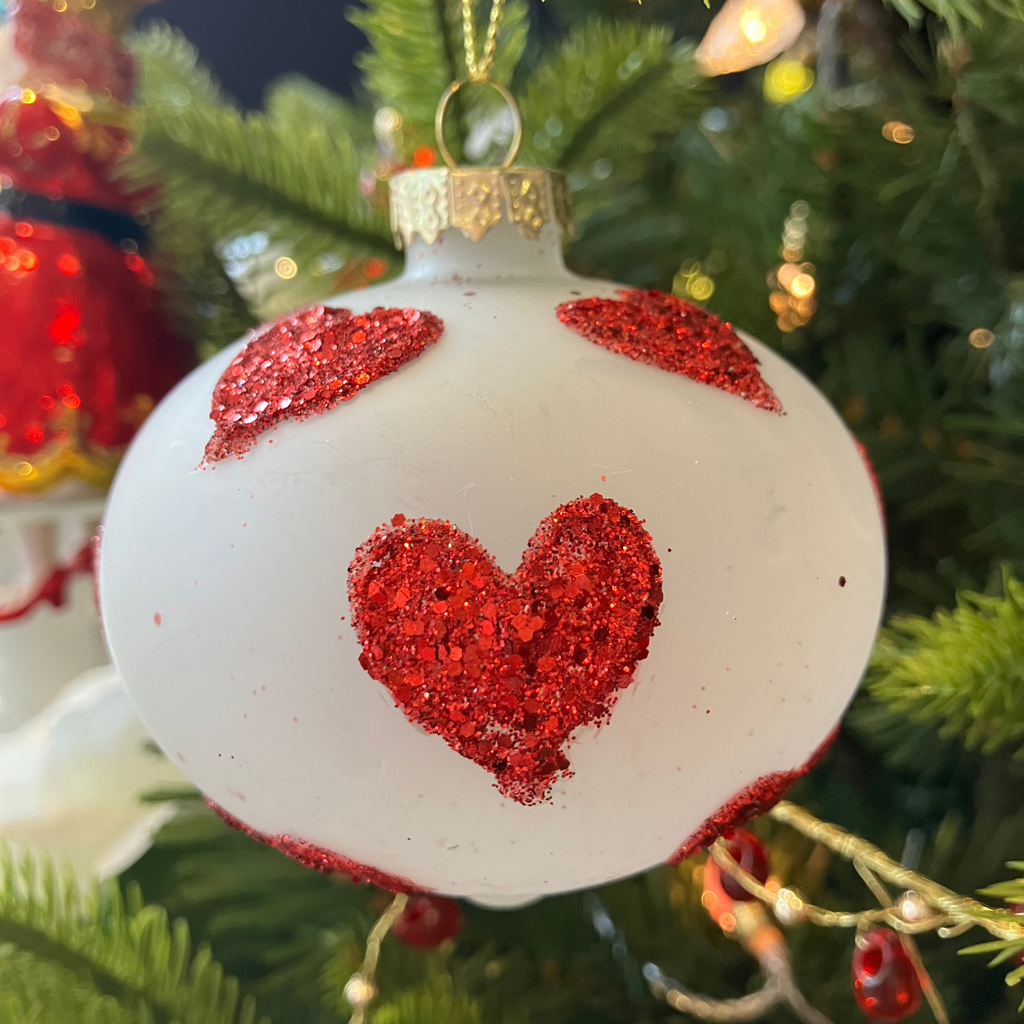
x: 302, y: 169
x: 1011, y: 892
x: 292, y: 172
x: 68, y: 954
x: 963, y: 670
x: 958, y: 14
x: 417, y: 52
x: 435, y: 1002
x: 598, y: 106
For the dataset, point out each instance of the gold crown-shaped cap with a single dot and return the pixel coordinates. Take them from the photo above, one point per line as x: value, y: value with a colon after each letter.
x: 476, y: 199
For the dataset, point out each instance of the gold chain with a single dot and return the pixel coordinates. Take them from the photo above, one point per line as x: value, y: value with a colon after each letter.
x: 950, y: 914
x: 361, y: 988
x: 478, y: 72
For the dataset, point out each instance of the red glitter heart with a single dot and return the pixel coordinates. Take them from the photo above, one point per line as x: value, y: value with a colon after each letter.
x: 307, y: 363
x: 751, y: 802
x: 671, y: 334
x: 506, y: 668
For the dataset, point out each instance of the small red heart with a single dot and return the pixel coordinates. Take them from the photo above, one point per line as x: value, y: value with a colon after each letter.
x: 506, y: 668
x: 308, y: 362
x: 674, y: 335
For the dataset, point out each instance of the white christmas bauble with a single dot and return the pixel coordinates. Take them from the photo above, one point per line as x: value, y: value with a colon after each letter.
x: 225, y: 594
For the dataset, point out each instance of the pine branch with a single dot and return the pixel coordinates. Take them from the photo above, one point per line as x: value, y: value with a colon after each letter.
x: 128, y: 963
x: 287, y: 177
x: 292, y: 164
x: 35, y: 991
x: 274, y: 924
x: 294, y: 100
x: 961, y: 669
x: 1011, y: 892
x: 435, y: 1002
x: 416, y: 52
x: 597, y: 107
x: 411, y: 60
x: 958, y: 14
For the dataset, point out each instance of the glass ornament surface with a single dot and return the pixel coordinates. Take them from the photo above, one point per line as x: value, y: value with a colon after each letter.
x: 225, y: 601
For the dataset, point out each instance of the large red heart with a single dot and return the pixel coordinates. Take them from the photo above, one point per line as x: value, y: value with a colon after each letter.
x: 308, y: 362
x: 674, y: 335
x: 506, y: 668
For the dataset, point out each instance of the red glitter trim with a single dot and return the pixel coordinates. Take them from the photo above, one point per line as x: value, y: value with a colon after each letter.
x: 873, y: 476
x: 53, y: 589
x: 669, y: 333
x: 327, y: 862
x: 756, y: 799
x: 506, y: 668
x: 307, y: 363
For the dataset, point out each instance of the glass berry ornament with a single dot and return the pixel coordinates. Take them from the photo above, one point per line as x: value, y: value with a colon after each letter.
x: 885, y: 983
x: 746, y: 849
x: 509, y: 583
x: 427, y: 921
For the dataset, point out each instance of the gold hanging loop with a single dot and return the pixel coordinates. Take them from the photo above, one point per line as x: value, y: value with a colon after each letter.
x: 442, y: 107
x: 478, y: 73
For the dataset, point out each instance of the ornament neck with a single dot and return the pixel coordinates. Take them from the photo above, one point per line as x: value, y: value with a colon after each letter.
x: 477, y: 223
x: 502, y: 254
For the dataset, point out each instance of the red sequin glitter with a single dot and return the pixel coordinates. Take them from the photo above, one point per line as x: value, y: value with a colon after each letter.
x: 873, y: 476
x: 674, y: 335
x: 327, y: 862
x: 756, y: 799
x: 307, y: 363
x: 506, y: 668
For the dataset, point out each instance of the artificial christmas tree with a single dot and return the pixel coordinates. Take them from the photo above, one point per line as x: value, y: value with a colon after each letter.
x: 857, y: 206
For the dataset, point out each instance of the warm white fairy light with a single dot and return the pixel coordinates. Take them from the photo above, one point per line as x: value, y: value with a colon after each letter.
x: 746, y: 33
x: 693, y: 282
x: 898, y: 132
x: 785, y: 80
x: 792, y: 282
x: 286, y: 268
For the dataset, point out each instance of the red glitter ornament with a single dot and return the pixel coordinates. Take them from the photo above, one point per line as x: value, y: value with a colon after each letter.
x: 327, y: 862
x: 756, y: 799
x: 674, y: 335
x: 885, y: 983
x: 85, y: 356
x: 746, y: 849
x: 86, y: 351
x: 307, y: 363
x: 506, y: 668
x: 427, y: 921
x: 63, y: 47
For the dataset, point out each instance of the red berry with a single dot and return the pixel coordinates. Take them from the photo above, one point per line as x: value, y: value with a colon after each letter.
x: 427, y: 921
x: 747, y: 851
x: 884, y: 980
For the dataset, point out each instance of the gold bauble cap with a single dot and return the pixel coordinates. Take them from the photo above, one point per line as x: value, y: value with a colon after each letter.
x: 476, y: 199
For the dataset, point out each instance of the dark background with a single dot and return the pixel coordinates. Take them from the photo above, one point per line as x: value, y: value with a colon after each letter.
x: 246, y: 43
